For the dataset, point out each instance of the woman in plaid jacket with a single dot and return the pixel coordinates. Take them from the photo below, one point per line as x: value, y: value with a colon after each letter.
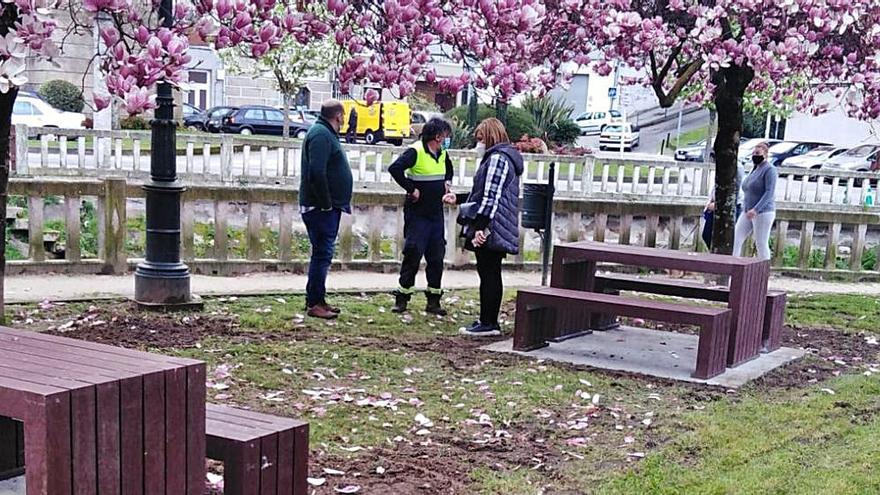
x: 493, y: 232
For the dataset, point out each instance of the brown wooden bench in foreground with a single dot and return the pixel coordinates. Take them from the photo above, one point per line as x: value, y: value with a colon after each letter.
x: 101, y: 419
x: 774, y: 307
x: 262, y: 454
x: 538, y: 312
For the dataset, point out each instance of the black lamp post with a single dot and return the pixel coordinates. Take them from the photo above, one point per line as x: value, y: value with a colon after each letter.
x: 162, y: 280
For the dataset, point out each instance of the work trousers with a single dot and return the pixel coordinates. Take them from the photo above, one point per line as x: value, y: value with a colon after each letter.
x: 424, y: 237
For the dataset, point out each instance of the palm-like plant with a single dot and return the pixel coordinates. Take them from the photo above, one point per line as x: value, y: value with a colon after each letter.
x: 551, y: 116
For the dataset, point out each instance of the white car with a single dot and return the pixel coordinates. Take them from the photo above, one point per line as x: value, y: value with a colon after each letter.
x: 35, y: 112
x: 617, y: 136
x: 814, y: 158
x: 858, y: 159
x: 595, y: 122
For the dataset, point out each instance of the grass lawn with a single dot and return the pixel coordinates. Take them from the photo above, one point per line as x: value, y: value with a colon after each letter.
x: 402, y: 404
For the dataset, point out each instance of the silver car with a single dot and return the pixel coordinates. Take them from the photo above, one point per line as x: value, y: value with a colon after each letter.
x: 858, y: 159
x: 814, y: 158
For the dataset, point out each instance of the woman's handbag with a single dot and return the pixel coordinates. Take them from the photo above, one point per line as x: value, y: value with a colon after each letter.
x: 467, y: 213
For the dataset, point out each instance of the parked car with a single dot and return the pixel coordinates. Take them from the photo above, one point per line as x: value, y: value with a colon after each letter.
x: 418, y: 119
x: 34, y: 112
x: 190, y: 110
x: 693, y: 152
x: 210, y: 120
x: 814, y: 158
x: 595, y: 122
x: 787, y: 149
x: 858, y: 159
x: 255, y: 119
x: 615, y: 136
x: 745, y: 150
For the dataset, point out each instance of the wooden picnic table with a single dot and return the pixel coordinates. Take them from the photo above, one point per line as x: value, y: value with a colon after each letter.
x: 574, y: 267
x: 101, y: 419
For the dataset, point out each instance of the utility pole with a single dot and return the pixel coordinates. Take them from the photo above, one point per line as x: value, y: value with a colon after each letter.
x: 616, y: 81
x: 162, y: 280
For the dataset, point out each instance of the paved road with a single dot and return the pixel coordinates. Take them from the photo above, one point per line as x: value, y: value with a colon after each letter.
x: 650, y: 137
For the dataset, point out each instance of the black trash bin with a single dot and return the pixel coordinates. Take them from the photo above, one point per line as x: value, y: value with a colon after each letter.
x: 534, y: 212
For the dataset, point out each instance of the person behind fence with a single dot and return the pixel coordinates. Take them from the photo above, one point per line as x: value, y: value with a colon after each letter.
x: 324, y: 194
x: 760, y: 205
x: 709, y: 211
x: 351, y: 133
x: 424, y: 171
x: 490, y: 216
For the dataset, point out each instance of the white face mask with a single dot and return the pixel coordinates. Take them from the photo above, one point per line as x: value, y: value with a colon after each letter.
x: 480, y: 149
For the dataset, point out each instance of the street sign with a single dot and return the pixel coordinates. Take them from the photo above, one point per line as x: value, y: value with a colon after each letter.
x: 612, y: 92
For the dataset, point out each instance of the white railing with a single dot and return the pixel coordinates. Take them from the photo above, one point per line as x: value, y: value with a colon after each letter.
x: 234, y: 159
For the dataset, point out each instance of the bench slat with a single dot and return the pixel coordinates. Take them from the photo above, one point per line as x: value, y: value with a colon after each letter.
x: 83, y: 410
x: 149, y: 359
x: 154, y: 434
x: 676, y: 288
x: 633, y: 307
x: 225, y: 413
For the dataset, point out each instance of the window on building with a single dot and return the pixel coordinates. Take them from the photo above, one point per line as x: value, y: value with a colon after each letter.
x: 199, y: 92
x: 303, y: 99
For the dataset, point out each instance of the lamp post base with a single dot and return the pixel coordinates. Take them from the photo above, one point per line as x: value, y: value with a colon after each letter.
x: 164, y: 285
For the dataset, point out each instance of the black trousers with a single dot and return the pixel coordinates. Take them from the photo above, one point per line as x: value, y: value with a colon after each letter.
x: 491, y: 285
x: 424, y: 236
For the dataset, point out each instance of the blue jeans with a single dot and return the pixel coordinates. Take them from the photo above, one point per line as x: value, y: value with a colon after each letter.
x: 323, y: 227
x: 709, y: 224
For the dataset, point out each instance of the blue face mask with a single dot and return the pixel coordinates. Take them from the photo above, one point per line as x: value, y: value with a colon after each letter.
x: 446, y: 144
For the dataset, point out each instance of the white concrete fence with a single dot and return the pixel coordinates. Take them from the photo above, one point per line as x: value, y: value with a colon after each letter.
x: 234, y: 159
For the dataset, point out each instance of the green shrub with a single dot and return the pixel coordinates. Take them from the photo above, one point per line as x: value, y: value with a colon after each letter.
x: 552, y: 120
x: 135, y: 123
x: 519, y: 121
x: 462, y: 135
x: 62, y: 95
x: 88, y: 239
x: 419, y: 103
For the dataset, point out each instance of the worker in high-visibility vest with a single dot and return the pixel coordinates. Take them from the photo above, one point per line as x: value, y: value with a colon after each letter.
x: 425, y: 172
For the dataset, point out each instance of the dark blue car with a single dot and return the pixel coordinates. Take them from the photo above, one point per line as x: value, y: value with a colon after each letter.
x: 254, y: 119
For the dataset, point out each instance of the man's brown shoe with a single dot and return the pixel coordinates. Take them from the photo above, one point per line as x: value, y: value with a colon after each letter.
x: 319, y: 311
x: 332, y: 309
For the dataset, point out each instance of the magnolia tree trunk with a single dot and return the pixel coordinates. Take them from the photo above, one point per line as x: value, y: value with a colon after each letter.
x: 501, y: 111
x: 286, y: 131
x: 730, y: 87
x: 6, y: 101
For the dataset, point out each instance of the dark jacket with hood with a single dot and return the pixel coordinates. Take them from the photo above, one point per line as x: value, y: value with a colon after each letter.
x: 496, y: 196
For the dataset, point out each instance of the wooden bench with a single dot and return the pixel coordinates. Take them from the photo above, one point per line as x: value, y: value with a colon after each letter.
x: 538, y: 311
x: 262, y: 454
x: 774, y: 307
x: 101, y: 419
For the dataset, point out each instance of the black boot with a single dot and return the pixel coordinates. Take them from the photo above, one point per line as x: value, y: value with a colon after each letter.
x: 433, y: 307
x: 400, y: 302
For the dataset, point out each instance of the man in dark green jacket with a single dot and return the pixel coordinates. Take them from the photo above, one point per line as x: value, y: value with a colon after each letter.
x: 324, y: 194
